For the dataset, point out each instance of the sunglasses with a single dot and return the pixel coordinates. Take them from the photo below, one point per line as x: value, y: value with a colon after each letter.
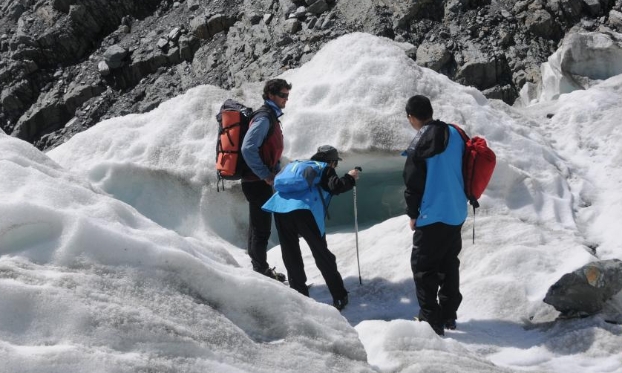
x: 282, y: 95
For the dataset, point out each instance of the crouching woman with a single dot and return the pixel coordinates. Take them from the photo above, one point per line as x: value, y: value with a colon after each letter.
x: 303, y: 214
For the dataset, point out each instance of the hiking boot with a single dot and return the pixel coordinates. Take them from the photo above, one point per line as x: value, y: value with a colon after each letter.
x: 341, y: 303
x: 272, y: 273
x: 450, y: 324
x: 438, y: 329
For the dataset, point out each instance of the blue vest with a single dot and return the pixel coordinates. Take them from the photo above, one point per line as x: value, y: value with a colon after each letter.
x: 443, y: 199
x: 309, y: 199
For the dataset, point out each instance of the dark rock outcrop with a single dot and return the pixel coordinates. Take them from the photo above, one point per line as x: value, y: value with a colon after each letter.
x: 585, y: 291
x: 66, y: 64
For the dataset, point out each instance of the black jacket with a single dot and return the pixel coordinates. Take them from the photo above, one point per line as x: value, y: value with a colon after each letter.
x: 334, y: 184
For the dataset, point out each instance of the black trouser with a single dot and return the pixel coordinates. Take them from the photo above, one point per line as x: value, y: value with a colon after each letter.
x: 259, y: 222
x: 301, y: 222
x: 435, y: 265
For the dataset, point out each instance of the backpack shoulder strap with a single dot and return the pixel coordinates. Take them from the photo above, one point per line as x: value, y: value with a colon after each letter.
x: 463, y: 134
x: 319, y: 188
x: 473, y: 202
x: 265, y: 111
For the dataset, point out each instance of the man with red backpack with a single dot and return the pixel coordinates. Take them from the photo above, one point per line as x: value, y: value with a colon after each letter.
x: 262, y: 148
x: 437, y: 206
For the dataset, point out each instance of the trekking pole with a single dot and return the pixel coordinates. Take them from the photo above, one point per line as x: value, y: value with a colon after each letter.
x: 356, y: 229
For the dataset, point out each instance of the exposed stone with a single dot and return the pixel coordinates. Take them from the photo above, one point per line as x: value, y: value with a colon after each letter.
x: 291, y: 26
x: 433, y: 56
x: 216, y: 24
x: 103, y: 68
x: 540, y: 23
x: 520, y: 6
x: 186, y: 50
x: 82, y: 15
x: 192, y: 5
x: 519, y: 78
x: 162, y: 44
x: 317, y: 7
x: 300, y: 12
x: 62, y: 5
x: 173, y: 57
x: 554, y: 6
x: 198, y: 27
x: 77, y: 94
x: 17, y: 97
x: 43, y: 117
x: 114, y: 56
x: 615, y: 19
x: 285, y: 40
x: 287, y: 7
x: 586, y: 290
x: 174, y: 34
x: 250, y: 40
x: 571, y: 8
x: 480, y: 69
x: 326, y: 23
x: 498, y: 92
x: 504, y: 37
x: 126, y: 21
x: 311, y: 23
x: 536, y: 5
x: 593, y: 6
x: 592, y: 55
x: 453, y: 6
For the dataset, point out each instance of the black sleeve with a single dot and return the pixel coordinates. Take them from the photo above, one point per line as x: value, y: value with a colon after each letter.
x: 335, y: 184
x: 414, y: 174
x: 432, y: 142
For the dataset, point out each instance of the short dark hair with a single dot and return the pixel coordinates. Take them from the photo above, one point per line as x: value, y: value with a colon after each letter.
x: 419, y: 107
x: 274, y: 86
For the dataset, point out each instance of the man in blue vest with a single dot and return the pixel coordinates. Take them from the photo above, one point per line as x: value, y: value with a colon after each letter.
x: 437, y: 207
x: 302, y: 214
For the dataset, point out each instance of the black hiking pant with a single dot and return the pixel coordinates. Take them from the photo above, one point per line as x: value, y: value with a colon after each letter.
x: 259, y: 222
x: 301, y: 222
x: 435, y: 265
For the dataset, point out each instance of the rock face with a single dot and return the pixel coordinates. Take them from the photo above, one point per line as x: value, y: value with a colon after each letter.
x: 66, y: 64
x: 582, y: 60
x: 585, y: 291
x: 593, y: 55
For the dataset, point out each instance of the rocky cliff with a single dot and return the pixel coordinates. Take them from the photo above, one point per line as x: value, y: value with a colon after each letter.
x: 67, y: 64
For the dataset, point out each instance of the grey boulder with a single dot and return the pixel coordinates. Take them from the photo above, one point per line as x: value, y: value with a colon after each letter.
x: 586, y: 290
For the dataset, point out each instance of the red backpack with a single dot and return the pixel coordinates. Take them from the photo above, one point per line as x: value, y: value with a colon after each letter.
x: 233, y: 121
x: 478, y: 164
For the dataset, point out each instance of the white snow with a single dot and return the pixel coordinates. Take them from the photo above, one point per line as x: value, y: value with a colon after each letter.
x: 117, y: 254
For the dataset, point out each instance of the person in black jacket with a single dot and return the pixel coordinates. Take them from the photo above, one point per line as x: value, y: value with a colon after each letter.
x: 437, y: 207
x: 303, y: 215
